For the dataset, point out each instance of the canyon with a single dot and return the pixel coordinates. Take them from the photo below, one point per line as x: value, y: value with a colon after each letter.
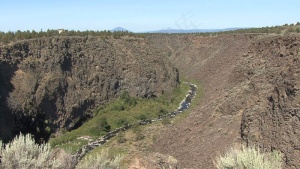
x: 249, y: 84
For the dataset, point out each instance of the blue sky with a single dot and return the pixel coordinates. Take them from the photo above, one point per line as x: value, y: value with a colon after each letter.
x: 141, y: 15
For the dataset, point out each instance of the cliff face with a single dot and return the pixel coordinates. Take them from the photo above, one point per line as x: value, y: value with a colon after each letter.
x: 51, y: 83
x: 251, y: 96
x: 271, y: 118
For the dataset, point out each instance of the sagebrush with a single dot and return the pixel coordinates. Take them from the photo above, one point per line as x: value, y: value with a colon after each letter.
x: 249, y: 158
x: 101, y: 161
x: 24, y: 153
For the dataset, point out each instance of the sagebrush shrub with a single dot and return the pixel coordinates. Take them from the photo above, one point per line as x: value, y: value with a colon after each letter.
x: 249, y: 158
x: 23, y: 153
x: 100, y: 161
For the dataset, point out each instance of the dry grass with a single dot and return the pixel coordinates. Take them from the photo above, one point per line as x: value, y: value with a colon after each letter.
x: 101, y: 160
x: 249, y: 158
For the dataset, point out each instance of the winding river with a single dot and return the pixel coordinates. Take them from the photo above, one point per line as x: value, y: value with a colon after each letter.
x: 184, y: 105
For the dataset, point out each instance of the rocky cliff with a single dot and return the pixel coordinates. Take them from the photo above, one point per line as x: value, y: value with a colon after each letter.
x: 250, y: 86
x: 50, y: 83
x: 271, y: 118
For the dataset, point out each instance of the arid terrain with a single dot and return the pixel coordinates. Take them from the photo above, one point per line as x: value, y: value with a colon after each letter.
x: 248, y: 91
x: 250, y: 96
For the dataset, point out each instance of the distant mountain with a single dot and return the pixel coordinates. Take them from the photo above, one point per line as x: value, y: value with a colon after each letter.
x: 119, y: 29
x: 192, y: 30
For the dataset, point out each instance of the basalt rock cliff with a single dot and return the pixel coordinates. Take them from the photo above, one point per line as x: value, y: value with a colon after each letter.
x: 250, y: 85
x: 51, y: 83
x: 271, y: 118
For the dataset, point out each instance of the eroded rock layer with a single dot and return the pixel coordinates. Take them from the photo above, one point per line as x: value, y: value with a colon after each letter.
x: 272, y: 117
x: 50, y: 83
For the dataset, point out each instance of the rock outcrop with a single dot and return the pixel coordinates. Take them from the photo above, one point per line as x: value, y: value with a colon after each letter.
x: 50, y: 83
x: 271, y: 118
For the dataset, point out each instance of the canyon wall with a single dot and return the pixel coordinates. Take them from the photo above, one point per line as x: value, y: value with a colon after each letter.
x: 271, y: 118
x: 52, y: 83
x: 250, y: 85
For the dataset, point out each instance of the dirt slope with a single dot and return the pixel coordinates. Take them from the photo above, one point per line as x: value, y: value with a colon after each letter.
x: 237, y: 84
x: 195, y: 141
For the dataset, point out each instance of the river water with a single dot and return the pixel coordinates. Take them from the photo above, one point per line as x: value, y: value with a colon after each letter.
x: 184, y: 105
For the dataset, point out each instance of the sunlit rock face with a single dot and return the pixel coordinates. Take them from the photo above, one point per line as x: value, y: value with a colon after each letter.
x: 50, y: 83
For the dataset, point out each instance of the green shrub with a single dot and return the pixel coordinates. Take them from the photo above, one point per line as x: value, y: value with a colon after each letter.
x: 131, y: 101
x: 162, y: 112
x: 142, y: 117
x: 118, y: 107
x: 125, y: 95
x: 23, y: 153
x: 122, y: 122
x: 100, y: 161
x: 124, y: 102
x: 103, y: 125
x: 249, y: 158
